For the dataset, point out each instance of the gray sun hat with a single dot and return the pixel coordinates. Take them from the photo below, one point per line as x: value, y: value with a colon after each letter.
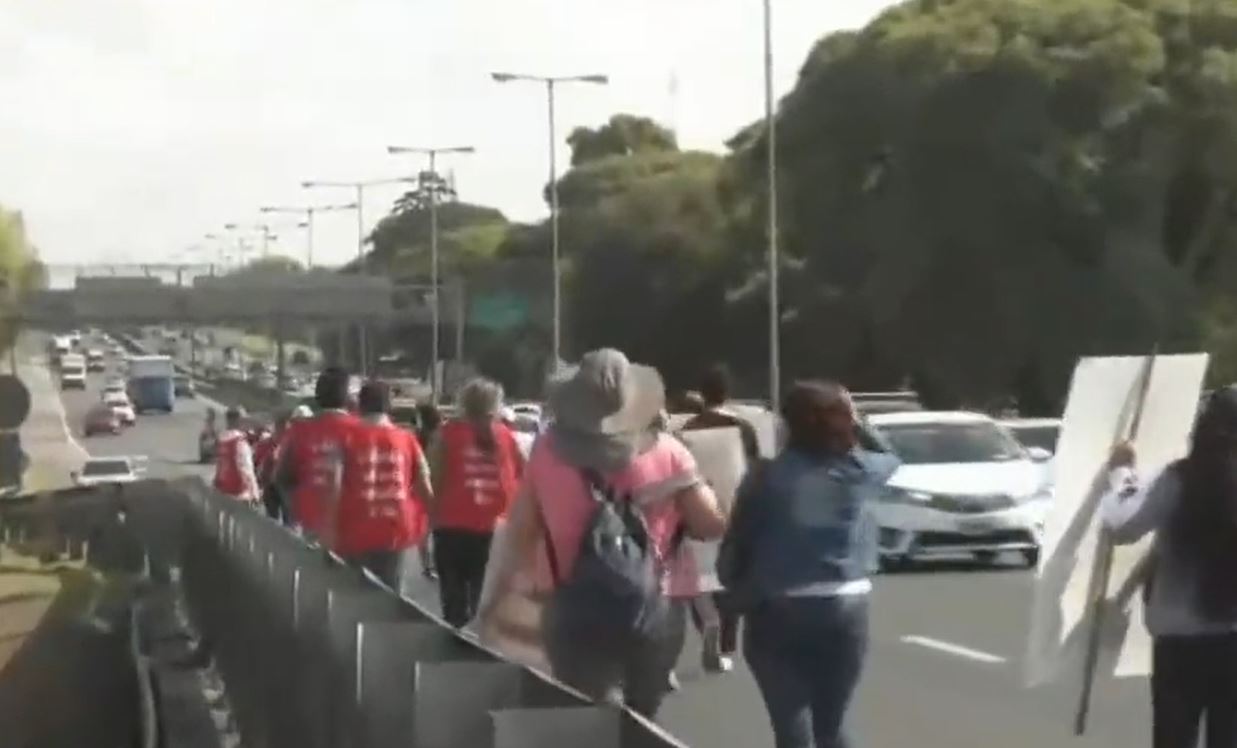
x: 604, y: 410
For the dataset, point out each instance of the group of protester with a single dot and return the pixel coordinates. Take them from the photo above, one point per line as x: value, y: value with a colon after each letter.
x: 365, y: 488
x: 598, y: 513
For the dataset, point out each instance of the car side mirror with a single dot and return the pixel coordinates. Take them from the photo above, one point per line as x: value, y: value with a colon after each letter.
x: 1039, y: 454
x: 73, y: 475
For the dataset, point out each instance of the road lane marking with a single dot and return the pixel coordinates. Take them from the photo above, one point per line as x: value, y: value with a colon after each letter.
x: 954, y: 649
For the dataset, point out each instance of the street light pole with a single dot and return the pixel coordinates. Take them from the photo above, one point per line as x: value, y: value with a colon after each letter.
x: 556, y: 267
x: 436, y: 307
x: 309, y: 211
x: 362, y: 265
x: 263, y: 229
x: 775, y: 355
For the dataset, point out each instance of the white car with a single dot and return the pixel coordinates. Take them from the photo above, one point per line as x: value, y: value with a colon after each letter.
x: 532, y: 410
x: 98, y: 471
x: 1035, y: 432
x: 119, y: 402
x: 965, y: 487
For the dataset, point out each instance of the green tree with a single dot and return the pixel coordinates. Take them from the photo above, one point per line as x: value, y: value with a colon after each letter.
x: 645, y: 239
x: 20, y: 272
x: 623, y: 135
x: 977, y: 188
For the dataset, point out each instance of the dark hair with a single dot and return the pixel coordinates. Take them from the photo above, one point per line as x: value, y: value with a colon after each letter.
x: 715, y: 385
x: 429, y: 419
x: 331, y: 389
x: 374, y: 398
x: 802, y: 411
x: 1205, y: 521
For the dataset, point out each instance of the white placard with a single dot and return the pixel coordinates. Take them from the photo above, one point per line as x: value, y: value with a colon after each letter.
x: 1102, y: 400
x: 722, y: 464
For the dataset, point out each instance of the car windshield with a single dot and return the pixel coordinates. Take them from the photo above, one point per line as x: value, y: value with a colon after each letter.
x: 1044, y: 437
x: 101, y: 468
x: 942, y: 443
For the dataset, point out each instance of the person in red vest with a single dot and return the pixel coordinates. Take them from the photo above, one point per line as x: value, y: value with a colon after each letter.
x: 383, y: 485
x: 476, y: 465
x: 234, y: 472
x: 266, y: 458
x: 312, y: 452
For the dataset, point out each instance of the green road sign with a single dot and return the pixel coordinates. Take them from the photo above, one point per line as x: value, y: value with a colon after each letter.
x: 498, y: 312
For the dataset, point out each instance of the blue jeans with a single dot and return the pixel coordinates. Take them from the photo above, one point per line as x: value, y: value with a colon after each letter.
x: 806, y: 654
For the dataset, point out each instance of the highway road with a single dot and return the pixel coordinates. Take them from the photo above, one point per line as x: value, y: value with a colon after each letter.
x: 943, y: 668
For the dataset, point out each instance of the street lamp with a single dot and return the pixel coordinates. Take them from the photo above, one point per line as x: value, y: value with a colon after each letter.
x: 436, y: 307
x: 359, y: 186
x: 550, y: 82
x: 775, y: 332
x: 308, y: 211
x: 263, y: 230
x: 219, y: 239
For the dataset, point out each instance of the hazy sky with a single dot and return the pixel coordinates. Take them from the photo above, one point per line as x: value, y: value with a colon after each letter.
x: 131, y: 128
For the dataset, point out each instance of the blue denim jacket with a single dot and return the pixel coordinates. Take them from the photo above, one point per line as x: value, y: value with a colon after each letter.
x: 806, y: 519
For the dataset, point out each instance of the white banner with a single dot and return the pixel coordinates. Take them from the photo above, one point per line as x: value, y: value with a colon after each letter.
x: 1102, y: 401
x: 721, y: 462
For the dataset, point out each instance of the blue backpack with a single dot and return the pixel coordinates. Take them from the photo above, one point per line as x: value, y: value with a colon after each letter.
x: 614, y: 591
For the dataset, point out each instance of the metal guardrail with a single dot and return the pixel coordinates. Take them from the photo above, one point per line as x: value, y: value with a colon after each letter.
x: 320, y: 655
x: 313, y: 653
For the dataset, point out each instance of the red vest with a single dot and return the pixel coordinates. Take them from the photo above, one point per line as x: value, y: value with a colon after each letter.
x: 228, y: 476
x: 477, y: 487
x: 377, y: 510
x: 315, y: 445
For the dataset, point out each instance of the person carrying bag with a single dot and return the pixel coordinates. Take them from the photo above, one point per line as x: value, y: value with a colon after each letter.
x: 603, y: 500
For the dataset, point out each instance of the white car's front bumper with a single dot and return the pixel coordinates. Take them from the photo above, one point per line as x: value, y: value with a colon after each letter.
x: 913, y: 531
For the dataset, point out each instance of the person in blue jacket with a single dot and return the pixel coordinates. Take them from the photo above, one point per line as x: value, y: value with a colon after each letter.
x: 797, y: 559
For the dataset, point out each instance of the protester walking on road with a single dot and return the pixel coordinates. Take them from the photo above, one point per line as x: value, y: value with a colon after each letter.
x: 234, y: 471
x: 712, y: 613
x: 313, y: 450
x: 1191, y: 597
x: 429, y: 420
x: 266, y: 462
x: 607, y: 498
x: 796, y: 560
x: 382, y: 489
x: 476, y: 465
x: 264, y: 454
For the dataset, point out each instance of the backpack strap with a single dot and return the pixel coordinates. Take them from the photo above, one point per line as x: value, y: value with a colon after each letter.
x: 550, y: 554
x: 597, y: 485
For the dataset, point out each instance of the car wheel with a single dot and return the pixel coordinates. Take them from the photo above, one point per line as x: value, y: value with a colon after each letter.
x: 1031, y: 557
x: 987, y: 558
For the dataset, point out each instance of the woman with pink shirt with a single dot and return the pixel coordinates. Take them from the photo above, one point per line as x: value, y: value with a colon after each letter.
x: 604, y: 436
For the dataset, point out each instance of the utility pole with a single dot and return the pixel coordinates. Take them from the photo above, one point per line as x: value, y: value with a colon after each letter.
x: 775, y: 315
x: 435, y: 185
x: 550, y: 82
x: 359, y: 186
x: 308, y: 211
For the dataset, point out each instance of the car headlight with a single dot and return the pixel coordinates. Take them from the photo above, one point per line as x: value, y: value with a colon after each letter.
x: 905, y: 496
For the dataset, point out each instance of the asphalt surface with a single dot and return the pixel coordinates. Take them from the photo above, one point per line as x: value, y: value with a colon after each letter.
x: 943, y: 668
x: 168, y: 441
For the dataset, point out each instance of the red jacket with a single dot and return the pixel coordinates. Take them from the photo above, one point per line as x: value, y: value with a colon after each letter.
x: 234, y: 473
x: 477, y: 487
x: 377, y: 508
x: 315, y: 447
